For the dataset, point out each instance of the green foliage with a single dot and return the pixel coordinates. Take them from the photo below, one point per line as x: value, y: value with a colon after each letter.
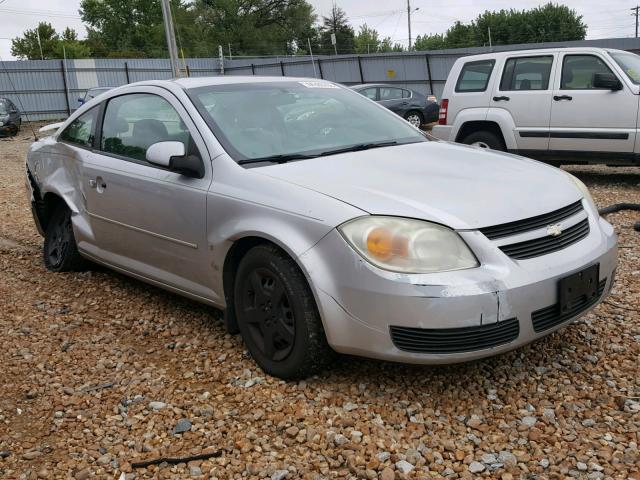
x: 53, y: 44
x: 338, y: 24
x: 368, y: 41
x: 547, y: 23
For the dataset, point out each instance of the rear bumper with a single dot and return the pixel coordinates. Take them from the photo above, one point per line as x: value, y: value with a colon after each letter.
x: 496, y: 303
x: 442, y: 132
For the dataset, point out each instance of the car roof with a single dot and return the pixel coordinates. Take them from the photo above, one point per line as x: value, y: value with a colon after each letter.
x: 195, y: 82
x: 537, y: 51
x: 369, y: 85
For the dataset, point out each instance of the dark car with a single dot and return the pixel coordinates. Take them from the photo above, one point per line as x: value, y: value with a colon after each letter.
x: 92, y: 93
x: 413, y: 106
x: 10, y: 118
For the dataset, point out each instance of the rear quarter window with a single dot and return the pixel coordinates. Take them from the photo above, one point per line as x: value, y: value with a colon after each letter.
x: 474, y: 76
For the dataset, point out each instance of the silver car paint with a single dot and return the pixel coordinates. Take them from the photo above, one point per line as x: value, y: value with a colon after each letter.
x: 143, y: 224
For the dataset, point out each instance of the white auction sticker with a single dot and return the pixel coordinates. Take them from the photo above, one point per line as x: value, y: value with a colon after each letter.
x: 313, y: 84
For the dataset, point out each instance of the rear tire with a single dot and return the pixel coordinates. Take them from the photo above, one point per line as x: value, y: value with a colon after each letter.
x: 60, y: 251
x: 277, y: 315
x: 414, y: 117
x: 485, y: 139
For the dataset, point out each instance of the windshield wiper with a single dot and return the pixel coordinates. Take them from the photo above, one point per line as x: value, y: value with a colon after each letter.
x: 359, y: 147
x: 280, y: 158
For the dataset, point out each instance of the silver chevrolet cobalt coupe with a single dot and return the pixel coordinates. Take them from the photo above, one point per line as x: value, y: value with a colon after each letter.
x: 319, y: 221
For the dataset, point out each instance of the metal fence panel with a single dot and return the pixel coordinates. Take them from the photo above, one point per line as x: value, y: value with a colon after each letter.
x: 49, y: 89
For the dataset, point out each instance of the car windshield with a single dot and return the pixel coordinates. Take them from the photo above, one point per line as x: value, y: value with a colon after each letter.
x: 629, y: 63
x: 280, y: 121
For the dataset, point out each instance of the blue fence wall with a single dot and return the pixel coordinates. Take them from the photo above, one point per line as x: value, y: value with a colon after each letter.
x: 49, y: 89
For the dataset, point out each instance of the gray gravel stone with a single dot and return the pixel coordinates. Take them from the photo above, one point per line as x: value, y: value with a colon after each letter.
x: 183, y: 425
x: 476, y: 467
x: 280, y: 475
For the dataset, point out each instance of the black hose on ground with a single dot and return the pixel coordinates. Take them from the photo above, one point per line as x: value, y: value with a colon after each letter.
x: 616, y: 207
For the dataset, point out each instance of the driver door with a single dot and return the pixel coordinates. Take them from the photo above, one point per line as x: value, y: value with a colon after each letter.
x: 146, y: 219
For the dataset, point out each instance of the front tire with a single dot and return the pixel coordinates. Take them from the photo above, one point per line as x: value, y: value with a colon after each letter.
x: 485, y: 139
x: 277, y: 315
x: 60, y: 251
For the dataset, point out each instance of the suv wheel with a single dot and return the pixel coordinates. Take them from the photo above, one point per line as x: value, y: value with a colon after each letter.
x: 60, y: 250
x: 484, y: 139
x: 277, y: 315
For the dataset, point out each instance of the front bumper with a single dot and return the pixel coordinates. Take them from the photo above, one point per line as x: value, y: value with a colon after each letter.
x: 359, y: 303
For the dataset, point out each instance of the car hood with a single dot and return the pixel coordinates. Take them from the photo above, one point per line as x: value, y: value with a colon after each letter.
x: 459, y: 186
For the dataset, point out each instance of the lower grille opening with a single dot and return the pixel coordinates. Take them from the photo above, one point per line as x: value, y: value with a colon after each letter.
x: 455, y: 340
x: 550, y: 316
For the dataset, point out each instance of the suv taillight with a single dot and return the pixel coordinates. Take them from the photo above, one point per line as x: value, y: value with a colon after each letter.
x: 442, y: 116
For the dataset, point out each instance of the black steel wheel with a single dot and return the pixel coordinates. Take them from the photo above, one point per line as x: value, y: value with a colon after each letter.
x: 60, y: 251
x: 277, y: 315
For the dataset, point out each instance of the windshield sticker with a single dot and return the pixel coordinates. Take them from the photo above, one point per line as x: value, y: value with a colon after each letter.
x: 318, y: 84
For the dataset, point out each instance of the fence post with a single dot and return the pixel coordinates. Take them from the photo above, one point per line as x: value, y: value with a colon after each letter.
x: 429, y: 73
x: 126, y: 71
x: 282, y: 69
x: 320, y: 68
x: 188, y: 71
x: 63, y: 70
x: 253, y: 70
x: 360, y: 68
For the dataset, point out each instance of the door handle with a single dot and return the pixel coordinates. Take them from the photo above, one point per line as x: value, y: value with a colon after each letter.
x: 497, y: 99
x: 557, y: 98
x: 98, y: 183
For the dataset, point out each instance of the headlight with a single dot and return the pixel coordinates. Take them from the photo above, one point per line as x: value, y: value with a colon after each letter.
x: 583, y: 189
x: 407, y: 245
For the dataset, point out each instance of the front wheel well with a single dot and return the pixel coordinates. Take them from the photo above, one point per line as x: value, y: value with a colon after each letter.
x: 45, y: 207
x: 235, y: 254
x: 468, y: 128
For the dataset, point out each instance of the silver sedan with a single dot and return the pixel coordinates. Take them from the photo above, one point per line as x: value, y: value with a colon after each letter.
x: 319, y: 221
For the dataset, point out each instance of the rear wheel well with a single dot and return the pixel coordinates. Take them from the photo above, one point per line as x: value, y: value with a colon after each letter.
x: 235, y: 254
x: 479, y: 126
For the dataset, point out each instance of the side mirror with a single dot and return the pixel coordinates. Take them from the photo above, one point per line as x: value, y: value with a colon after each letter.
x: 172, y: 155
x: 80, y: 101
x: 606, y: 80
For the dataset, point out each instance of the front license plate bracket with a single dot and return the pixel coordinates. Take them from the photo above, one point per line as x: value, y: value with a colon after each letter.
x: 579, y: 287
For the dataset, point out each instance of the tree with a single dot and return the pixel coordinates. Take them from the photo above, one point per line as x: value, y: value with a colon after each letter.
x: 547, y: 23
x: 367, y: 40
x: 53, y: 44
x: 336, y: 23
x: 29, y: 47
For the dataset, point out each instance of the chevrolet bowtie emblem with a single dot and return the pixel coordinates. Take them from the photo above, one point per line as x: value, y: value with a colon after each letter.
x: 554, y: 230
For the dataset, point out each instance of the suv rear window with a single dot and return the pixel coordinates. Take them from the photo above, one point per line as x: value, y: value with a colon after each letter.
x: 527, y: 73
x: 474, y: 76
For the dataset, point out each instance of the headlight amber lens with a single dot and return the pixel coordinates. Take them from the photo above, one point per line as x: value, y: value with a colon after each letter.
x: 407, y: 245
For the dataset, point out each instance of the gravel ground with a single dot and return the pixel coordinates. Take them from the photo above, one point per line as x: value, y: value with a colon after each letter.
x: 100, y: 371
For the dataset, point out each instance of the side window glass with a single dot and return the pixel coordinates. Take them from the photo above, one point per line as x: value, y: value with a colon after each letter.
x: 132, y: 123
x: 474, y: 76
x: 80, y: 131
x: 387, y: 93
x: 578, y: 71
x: 369, y: 93
x: 406, y: 94
x: 527, y: 73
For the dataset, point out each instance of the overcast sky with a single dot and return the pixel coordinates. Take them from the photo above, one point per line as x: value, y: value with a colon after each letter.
x: 605, y: 18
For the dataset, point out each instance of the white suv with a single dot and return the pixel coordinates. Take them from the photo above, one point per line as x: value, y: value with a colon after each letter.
x: 563, y: 105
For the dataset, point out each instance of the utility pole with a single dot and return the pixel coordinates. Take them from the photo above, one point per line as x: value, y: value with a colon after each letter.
x: 409, y: 21
x: 171, y: 38
x: 636, y: 8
